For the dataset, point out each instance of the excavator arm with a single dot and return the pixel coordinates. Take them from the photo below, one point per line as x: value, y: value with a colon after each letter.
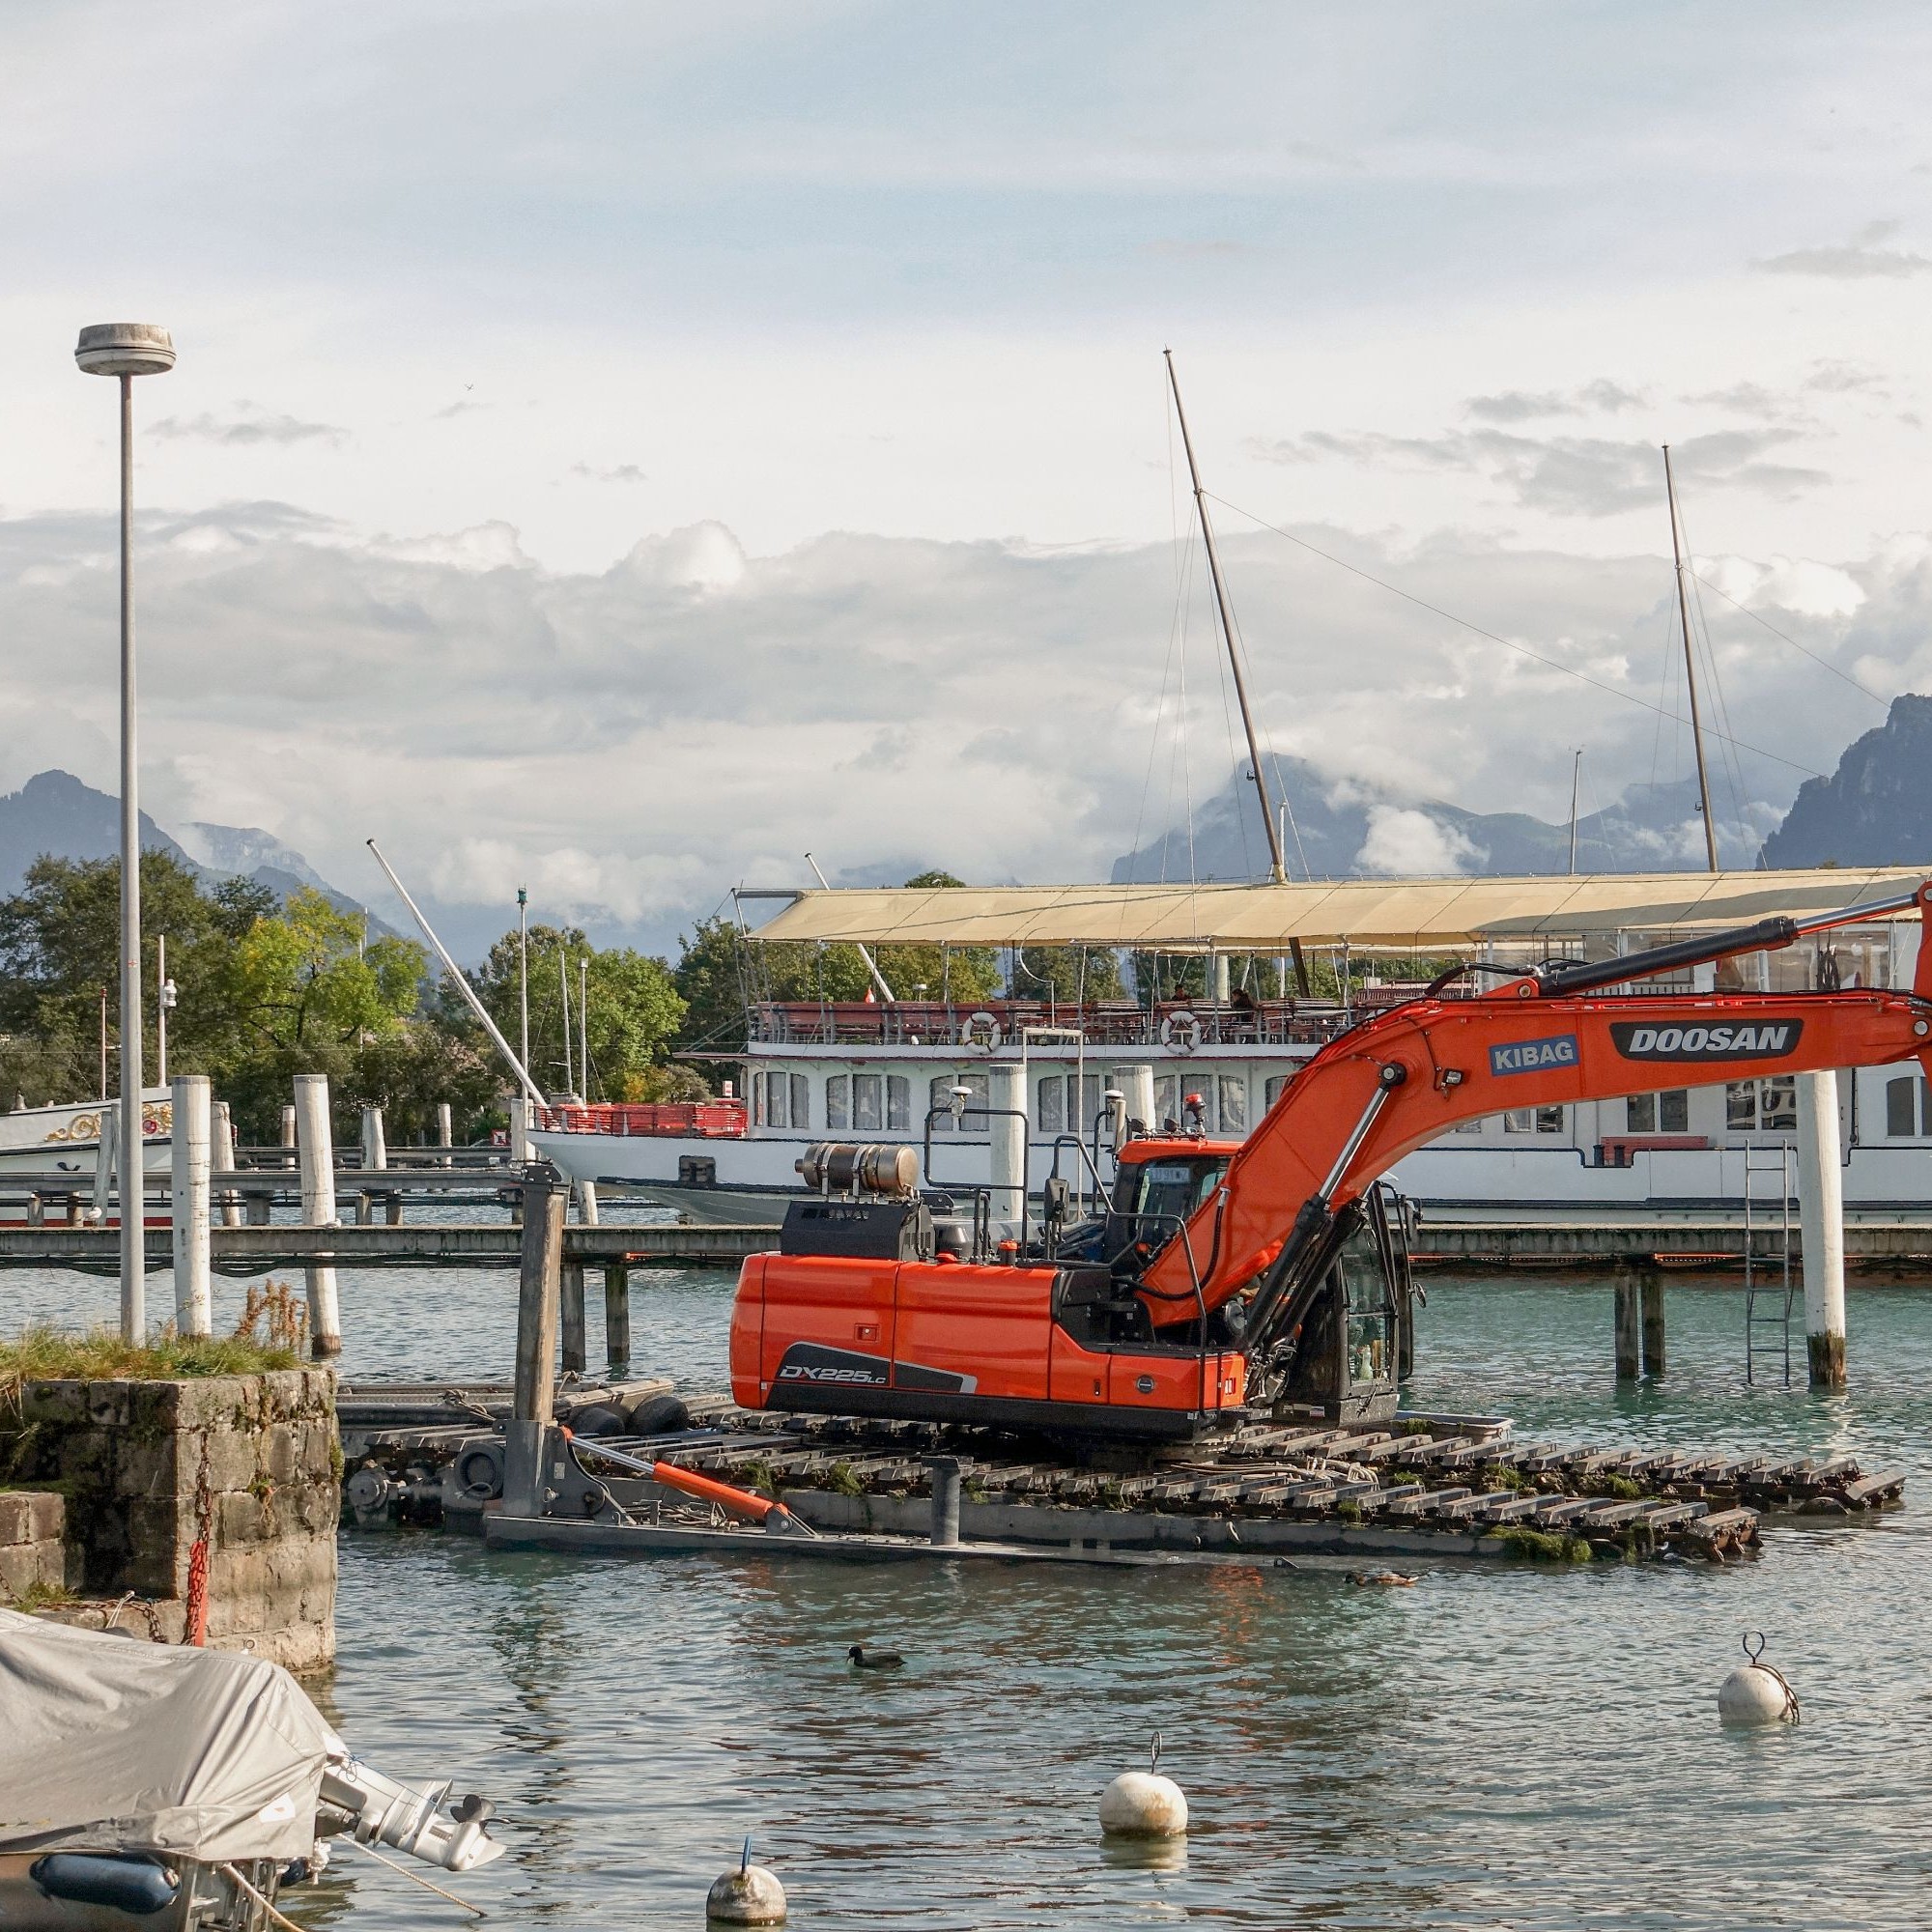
x: 1398, y: 1081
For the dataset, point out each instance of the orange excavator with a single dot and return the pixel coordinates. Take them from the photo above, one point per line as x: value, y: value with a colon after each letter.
x: 1225, y: 1279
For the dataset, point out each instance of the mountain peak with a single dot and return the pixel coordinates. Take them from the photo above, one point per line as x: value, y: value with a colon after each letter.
x: 1875, y: 810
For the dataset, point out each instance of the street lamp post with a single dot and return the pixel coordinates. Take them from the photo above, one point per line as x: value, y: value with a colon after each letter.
x: 126, y: 349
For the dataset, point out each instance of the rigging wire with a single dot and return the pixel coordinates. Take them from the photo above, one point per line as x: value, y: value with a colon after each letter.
x: 1228, y: 719
x: 1727, y: 752
x: 1825, y: 664
x: 1509, y: 643
x: 1273, y: 757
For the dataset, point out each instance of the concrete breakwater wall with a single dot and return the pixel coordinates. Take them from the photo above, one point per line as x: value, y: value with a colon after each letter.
x: 130, y: 1479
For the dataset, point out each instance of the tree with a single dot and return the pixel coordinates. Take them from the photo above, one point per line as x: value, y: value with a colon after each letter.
x: 1066, y: 975
x: 60, y: 949
x: 636, y: 1009
x: 309, y: 981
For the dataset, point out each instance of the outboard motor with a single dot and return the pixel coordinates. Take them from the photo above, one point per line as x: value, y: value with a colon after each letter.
x: 381, y: 1811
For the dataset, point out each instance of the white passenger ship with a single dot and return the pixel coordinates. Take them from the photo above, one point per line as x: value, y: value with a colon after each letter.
x: 875, y: 1073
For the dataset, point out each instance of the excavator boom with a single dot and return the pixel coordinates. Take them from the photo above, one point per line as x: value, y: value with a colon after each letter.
x: 1396, y: 1082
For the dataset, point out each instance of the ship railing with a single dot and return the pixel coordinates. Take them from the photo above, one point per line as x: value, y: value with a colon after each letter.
x: 702, y: 1120
x: 1180, y: 1025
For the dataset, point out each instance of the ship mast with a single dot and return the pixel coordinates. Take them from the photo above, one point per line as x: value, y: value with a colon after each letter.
x: 1277, y: 870
x: 1690, y: 668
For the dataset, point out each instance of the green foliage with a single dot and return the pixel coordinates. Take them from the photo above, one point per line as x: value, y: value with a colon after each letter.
x: 1540, y: 1546
x: 45, y: 1354
x: 1066, y: 975
x: 719, y: 971
x: 635, y: 1011
x: 307, y: 979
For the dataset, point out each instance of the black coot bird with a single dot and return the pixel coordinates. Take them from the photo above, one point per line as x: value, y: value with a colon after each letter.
x: 874, y: 1660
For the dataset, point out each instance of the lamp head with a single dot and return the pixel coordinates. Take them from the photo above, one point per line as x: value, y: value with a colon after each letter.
x: 124, y: 349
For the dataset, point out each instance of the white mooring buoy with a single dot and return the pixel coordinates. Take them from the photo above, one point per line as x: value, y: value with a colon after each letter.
x: 749, y: 1895
x: 1143, y: 1804
x: 1756, y: 1692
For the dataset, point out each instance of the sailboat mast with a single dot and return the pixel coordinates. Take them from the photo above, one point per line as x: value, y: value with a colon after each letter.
x: 1575, y: 780
x: 1227, y: 631
x: 1691, y: 667
x: 1277, y: 870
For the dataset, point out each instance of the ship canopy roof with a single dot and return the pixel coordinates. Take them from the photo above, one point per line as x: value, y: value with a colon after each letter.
x: 1420, y: 914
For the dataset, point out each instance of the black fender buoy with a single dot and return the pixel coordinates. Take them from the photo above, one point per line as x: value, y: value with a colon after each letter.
x: 657, y: 1415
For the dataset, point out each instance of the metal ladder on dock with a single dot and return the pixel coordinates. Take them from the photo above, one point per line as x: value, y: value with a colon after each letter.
x: 1769, y: 1289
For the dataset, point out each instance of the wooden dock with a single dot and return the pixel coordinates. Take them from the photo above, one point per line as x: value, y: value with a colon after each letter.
x: 246, y: 1251
x: 1422, y: 1484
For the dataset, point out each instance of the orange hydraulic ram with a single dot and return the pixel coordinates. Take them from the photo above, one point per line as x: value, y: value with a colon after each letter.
x: 706, y: 1489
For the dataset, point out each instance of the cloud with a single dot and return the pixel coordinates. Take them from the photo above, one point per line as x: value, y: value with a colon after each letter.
x: 1856, y: 260
x: 1404, y: 840
x: 1603, y: 396
x: 631, y: 742
x: 244, y: 424
x: 1567, y: 475
x: 623, y: 473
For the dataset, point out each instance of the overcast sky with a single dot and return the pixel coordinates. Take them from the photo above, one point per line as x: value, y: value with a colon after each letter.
x: 618, y: 446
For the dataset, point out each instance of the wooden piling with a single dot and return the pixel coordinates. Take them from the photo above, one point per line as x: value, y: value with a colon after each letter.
x: 1653, y: 1321
x: 222, y: 1157
x: 570, y: 1296
x: 315, y: 1148
x: 1821, y: 1216
x: 189, y: 1163
x: 617, y: 1314
x: 105, y: 1163
x: 587, y: 1203
x: 1628, y: 1326
x: 544, y: 1198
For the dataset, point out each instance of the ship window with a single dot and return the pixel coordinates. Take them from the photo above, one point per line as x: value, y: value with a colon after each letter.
x: 838, y: 1100
x: 776, y: 1113
x: 867, y: 1109
x: 1549, y: 1120
x: 1051, y: 1109
x: 1272, y: 1092
x: 1899, y: 1102
x: 757, y: 1099
x: 1234, y: 1104
x: 1761, y: 1106
x: 1166, y: 1102
x: 972, y: 1122
x: 898, y: 1105
x: 1474, y: 1126
x: 1666, y: 1113
x: 801, y: 1101
x: 1519, y: 1120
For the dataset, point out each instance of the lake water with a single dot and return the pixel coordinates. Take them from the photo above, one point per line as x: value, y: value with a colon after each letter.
x: 1503, y: 1747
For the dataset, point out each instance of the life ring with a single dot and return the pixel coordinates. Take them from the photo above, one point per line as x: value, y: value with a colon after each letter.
x: 979, y: 1032
x: 1182, y: 1031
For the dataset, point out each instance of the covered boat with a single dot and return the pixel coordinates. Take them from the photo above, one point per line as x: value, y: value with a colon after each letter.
x: 175, y: 1789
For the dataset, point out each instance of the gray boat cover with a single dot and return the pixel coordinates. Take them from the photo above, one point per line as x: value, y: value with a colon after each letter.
x: 109, y: 1744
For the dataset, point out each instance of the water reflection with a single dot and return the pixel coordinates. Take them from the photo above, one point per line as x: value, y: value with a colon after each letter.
x: 1501, y: 1746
